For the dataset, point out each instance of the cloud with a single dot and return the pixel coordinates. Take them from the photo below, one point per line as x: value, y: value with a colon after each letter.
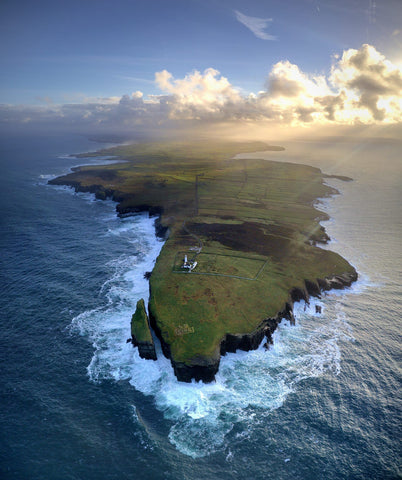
x: 197, y: 93
x: 133, y: 79
x: 287, y: 80
x: 256, y: 25
x: 370, y: 82
x: 362, y: 87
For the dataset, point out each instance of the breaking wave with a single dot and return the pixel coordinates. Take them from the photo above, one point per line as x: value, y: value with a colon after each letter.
x: 248, y: 385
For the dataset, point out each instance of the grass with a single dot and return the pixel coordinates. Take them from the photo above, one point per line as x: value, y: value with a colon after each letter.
x: 222, y: 265
x: 139, y: 324
x: 254, y: 219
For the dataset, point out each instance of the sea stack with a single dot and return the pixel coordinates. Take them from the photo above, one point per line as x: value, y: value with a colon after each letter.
x: 141, y: 336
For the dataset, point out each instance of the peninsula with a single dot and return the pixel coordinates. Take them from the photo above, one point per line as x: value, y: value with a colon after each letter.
x: 241, y: 244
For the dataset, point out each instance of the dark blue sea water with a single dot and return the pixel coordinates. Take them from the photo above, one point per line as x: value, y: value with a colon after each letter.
x: 77, y: 402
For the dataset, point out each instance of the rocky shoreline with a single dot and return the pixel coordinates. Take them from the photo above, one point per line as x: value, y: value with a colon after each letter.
x: 102, y: 193
x: 205, y: 369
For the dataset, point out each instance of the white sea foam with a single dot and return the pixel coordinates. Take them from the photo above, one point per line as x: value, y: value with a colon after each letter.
x: 202, y: 415
x: 108, y: 326
x: 330, y: 205
x: 85, y: 161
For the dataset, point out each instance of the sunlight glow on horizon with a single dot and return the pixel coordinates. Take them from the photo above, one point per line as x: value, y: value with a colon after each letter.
x: 362, y: 87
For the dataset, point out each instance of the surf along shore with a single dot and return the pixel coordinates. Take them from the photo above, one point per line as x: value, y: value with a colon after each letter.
x: 248, y: 229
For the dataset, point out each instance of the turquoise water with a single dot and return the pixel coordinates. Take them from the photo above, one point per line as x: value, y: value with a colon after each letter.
x: 77, y: 401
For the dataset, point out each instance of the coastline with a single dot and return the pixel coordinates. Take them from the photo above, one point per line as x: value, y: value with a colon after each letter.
x: 314, y: 391
x: 230, y: 343
x: 205, y: 371
x: 205, y: 368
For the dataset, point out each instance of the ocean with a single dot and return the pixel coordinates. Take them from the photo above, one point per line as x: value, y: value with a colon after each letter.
x: 77, y: 401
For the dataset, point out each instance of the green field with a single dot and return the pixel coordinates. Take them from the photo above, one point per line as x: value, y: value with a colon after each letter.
x: 250, y: 225
x: 231, y: 266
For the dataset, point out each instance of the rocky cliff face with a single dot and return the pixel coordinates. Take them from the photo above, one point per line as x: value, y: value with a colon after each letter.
x: 204, y: 369
x: 145, y: 349
x: 141, y: 336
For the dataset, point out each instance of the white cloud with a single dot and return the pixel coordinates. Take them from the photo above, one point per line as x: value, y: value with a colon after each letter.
x: 204, y: 92
x: 256, y: 25
x: 287, y: 80
x: 370, y: 82
x: 363, y: 87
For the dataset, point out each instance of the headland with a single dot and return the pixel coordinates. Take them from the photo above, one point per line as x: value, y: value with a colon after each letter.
x: 241, y: 245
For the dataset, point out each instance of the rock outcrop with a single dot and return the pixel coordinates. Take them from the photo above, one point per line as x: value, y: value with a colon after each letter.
x: 141, y: 336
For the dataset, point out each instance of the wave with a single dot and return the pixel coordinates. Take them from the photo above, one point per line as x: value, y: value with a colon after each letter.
x: 203, y: 415
x: 67, y: 169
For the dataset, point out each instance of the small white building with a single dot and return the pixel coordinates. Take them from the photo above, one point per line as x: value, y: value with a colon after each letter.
x: 189, y: 266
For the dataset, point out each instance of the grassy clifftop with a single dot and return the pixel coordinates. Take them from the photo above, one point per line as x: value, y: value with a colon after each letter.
x: 249, y: 224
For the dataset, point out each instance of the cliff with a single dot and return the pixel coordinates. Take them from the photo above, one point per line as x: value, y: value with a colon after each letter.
x: 141, y: 336
x: 249, y: 226
x: 205, y: 368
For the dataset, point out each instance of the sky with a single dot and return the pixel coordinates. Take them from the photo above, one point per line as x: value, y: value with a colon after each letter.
x: 133, y: 63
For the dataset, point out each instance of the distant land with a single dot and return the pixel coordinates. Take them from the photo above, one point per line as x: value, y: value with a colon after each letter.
x: 241, y: 244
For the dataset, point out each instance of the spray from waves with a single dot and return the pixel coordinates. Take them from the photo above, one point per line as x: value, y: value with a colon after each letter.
x: 248, y: 383
x: 108, y: 326
x: 43, y: 179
